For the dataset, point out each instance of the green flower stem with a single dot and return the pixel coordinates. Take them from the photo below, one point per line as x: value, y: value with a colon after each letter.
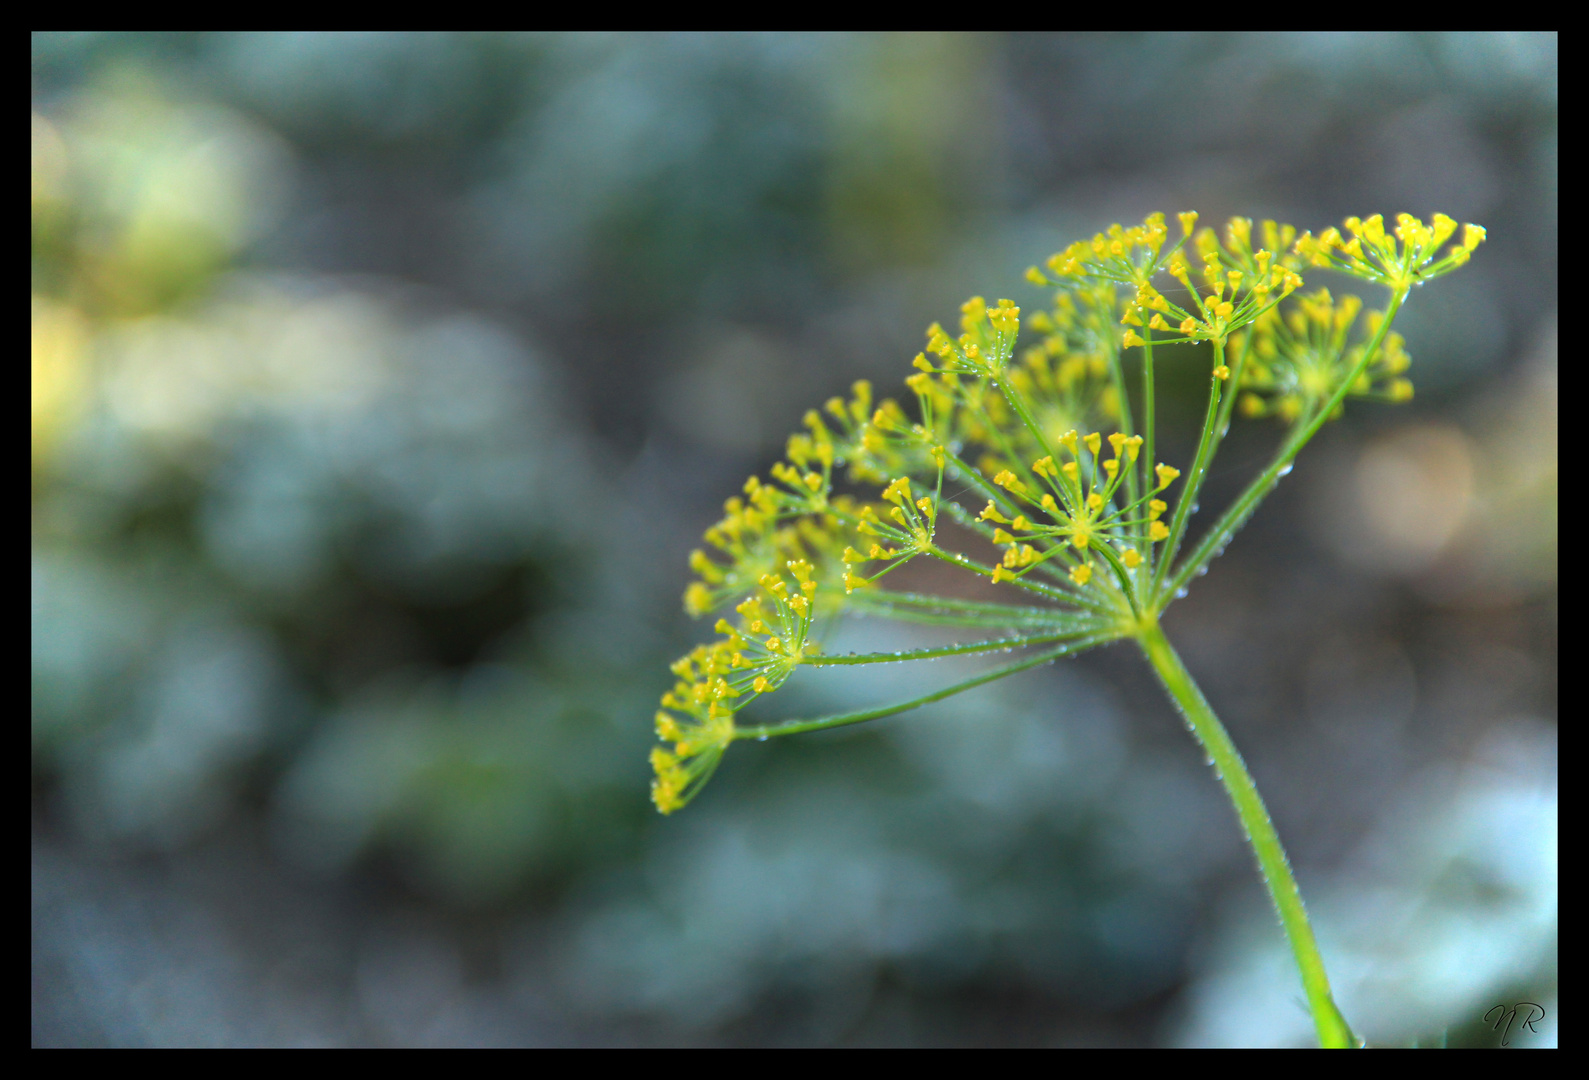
x: 1118, y: 378
x: 935, y: 652
x: 795, y: 727
x: 910, y: 607
x: 1148, y: 423
x: 969, y: 476
x: 1194, y: 480
x: 984, y: 570
x: 1229, y: 404
x: 1334, y: 1032
x: 1017, y: 401
x: 1127, y: 587
x: 1239, y: 511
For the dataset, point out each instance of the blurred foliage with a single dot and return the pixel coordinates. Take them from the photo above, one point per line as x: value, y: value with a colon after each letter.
x: 369, y: 436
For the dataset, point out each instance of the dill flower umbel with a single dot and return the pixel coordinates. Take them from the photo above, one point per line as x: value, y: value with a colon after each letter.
x: 1299, y: 357
x: 1031, y: 468
x: 1080, y: 538
x: 1397, y: 260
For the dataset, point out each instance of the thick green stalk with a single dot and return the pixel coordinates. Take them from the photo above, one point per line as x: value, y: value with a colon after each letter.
x: 1236, y: 515
x: 1334, y: 1032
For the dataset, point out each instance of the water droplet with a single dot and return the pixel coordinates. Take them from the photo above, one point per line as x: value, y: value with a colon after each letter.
x: 1285, y: 470
x: 1208, y: 759
x: 1201, y: 570
x: 1180, y: 594
x: 761, y: 738
x: 1196, y: 507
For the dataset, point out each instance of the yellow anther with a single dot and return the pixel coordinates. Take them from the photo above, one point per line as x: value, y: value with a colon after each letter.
x: 1081, y: 574
x: 1002, y: 537
x: 991, y: 513
x: 1021, y: 523
x: 1094, y: 501
x: 1222, y: 372
x: 1188, y: 221
x: 1133, y: 339
x: 1132, y: 558
x: 697, y: 599
x: 1158, y: 531
x: 1007, y: 480
x: 1166, y: 474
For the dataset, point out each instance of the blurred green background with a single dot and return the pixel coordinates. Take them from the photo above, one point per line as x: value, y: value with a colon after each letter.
x: 382, y: 382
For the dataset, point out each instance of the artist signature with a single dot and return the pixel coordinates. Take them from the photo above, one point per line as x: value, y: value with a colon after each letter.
x: 1525, y: 1011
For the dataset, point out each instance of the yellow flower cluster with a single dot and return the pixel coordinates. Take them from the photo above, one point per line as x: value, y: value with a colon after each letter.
x: 1298, y: 358
x: 717, y: 679
x: 1076, y: 509
x: 797, y: 516
x: 1126, y: 256
x: 987, y: 338
x: 1073, y: 525
x: 1240, y: 283
x: 1066, y: 375
x: 911, y: 525
x: 1396, y: 260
